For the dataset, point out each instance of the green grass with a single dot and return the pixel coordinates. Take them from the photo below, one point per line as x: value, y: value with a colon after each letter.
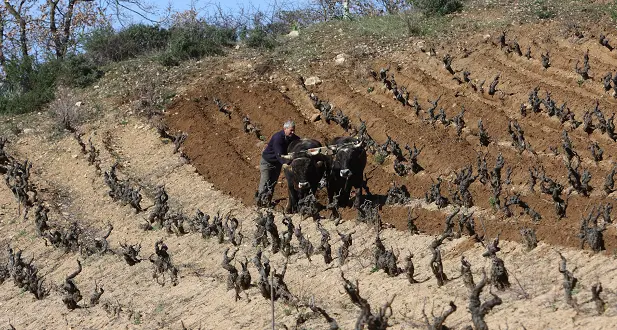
x: 380, y: 159
x: 21, y: 233
x: 493, y: 202
x: 159, y: 308
x: 394, y: 27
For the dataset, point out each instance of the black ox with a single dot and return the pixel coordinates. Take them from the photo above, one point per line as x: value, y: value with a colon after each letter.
x: 347, y: 170
x: 308, y: 164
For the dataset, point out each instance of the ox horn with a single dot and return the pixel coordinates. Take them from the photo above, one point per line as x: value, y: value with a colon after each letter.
x: 287, y: 157
x: 357, y: 145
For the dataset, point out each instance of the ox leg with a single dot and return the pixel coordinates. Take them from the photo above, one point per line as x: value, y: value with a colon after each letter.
x: 292, y: 203
x: 331, y: 191
x: 345, y: 197
x: 292, y: 200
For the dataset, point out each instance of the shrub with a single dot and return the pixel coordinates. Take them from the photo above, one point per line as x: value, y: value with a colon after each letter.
x: 380, y: 157
x: 542, y: 10
x: 437, y: 7
x: 196, y: 40
x: 63, y: 108
x: 259, y: 38
x: 79, y: 71
x: 27, y: 86
x: 167, y: 59
x: 106, y: 45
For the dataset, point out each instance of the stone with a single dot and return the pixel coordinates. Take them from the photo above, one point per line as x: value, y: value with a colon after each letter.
x: 340, y: 59
x: 310, y: 81
x: 420, y: 45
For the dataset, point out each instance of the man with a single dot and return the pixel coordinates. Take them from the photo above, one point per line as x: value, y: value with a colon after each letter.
x: 271, y: 161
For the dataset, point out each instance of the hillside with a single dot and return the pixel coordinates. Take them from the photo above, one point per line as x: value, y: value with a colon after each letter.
x: 216, y: 171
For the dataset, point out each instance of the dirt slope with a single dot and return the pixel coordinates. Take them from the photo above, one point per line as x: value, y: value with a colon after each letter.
x: 215, y: 141
x: 221, y: 176
x: 132, y: 299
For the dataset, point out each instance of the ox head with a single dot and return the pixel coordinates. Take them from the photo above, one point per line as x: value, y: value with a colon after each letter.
x: 305, y: 168
x: 344, y: 157
x: 304, y: 172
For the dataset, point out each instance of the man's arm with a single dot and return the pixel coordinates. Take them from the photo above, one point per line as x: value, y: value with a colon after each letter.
x: 279, y: 148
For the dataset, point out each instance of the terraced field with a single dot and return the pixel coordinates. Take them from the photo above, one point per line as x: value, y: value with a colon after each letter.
x: 216, y: 172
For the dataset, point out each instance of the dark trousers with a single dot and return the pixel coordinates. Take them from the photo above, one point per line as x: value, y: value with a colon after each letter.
x: 269, y: 176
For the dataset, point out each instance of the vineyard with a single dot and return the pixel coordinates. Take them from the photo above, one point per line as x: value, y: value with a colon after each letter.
x: 488, y: 195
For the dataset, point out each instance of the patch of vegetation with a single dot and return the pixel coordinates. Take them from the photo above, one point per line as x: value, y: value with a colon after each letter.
x: 421, y: 25
x: 159, y: 308
x: 260, y: 38
x: 196, y: 40
x: 20, y: 234
x: 27, y: 85
x: 543, y: 10
x: 380, y: 158
x: 437, y: 7
x: 611, y: 10
x: 79, y: 71
x: 106, y: 45
x: 493, y: 202
x: 189, y: 40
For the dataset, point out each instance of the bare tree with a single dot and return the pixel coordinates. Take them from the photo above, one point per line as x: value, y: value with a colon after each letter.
x: 18, y: 13
x: 2, y: 56
x: 478, y: 309
x: 438, y: 322
x: 569, y: 281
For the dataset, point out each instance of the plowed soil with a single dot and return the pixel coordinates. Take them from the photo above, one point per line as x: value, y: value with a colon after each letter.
x: 217, y: 144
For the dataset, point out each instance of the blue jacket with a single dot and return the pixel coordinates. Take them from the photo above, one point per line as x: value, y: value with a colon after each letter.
x: 277, y: 146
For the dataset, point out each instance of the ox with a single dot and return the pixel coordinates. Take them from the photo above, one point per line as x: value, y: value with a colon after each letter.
x: 308, y: 164
x: 347, y: 172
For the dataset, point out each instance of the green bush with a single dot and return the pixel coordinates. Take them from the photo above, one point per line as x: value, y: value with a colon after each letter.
x: 167, y: 59
x: 79, y: 71
x: 27, y: 86
x: 259, y: 38
x: 437, y: 7
x: 542, y: 10
x: 105, y: 45
x: 196, y: 40
x: 493, y: 202
x: 380, y: 157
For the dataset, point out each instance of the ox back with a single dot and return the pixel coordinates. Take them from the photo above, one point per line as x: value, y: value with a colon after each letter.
x: 304, y: 171
x: 347, y: 171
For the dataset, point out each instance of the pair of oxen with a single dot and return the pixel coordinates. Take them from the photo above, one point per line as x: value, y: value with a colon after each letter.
x: 339, y: 165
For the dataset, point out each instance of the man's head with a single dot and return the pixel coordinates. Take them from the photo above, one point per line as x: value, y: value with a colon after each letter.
x: 289, y: 127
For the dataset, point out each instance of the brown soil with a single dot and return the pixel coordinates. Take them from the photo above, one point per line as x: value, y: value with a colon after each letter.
x: 217, y: 144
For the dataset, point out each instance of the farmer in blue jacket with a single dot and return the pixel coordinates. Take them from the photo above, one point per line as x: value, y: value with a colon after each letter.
x: 271, y: 161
